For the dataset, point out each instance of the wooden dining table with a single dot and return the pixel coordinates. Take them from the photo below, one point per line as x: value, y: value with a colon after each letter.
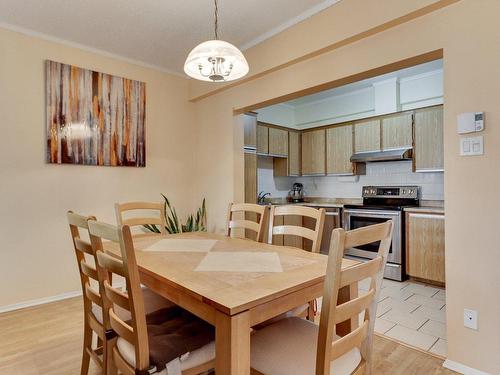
x: 233, y: 284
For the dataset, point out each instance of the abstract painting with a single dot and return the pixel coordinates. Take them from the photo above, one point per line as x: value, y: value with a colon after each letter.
x: 94, y: 118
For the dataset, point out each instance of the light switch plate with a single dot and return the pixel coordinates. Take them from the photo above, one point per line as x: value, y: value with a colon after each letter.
x: 470, y: 319
x: 471, y: 146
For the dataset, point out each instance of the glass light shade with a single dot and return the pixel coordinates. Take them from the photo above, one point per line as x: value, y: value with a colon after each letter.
x: 216, y: 61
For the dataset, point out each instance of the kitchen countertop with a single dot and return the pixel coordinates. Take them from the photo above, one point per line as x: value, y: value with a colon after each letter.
x: 426, y: 209
x: 316, y: 202
x: 435, y: 207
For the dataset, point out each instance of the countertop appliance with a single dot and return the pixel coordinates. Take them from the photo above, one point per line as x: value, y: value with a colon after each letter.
x: 382, y: 203
x: 296, y: 195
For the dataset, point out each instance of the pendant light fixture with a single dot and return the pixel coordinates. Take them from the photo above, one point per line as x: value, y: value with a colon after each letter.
x: 216, y: 60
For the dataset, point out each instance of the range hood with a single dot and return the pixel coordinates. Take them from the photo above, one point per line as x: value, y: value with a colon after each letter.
x: 388, y: 155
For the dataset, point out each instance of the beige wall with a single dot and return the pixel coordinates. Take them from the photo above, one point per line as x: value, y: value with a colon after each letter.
x: 468, y: 33
x: 36, y: 256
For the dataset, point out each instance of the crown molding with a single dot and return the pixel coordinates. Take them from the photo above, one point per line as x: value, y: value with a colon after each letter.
x: 50, y: 38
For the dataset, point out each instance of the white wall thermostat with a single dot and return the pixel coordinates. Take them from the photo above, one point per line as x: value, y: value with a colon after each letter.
x: 470, y: 122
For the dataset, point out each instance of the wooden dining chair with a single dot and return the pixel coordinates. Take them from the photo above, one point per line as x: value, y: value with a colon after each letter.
x: 314, y: 235
x: 248, y: 211
x: 297, y: 346
x: 92, y: 300
x: 170, y: 338
x: 159, y: 221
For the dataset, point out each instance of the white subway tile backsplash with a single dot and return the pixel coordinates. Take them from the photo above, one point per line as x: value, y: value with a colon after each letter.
x: 388, y: 173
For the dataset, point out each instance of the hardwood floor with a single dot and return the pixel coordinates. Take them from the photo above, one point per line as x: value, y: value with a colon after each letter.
x: 47, y: 339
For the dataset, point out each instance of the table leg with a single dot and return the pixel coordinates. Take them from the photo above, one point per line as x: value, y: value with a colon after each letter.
x: 232, y: 344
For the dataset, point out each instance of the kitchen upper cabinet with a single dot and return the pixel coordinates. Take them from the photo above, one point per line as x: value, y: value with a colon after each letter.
x: 250, y: 130
x: 262, y: 139
x: 294, y: 154
x: 339, y: 149
x: 314, y: 152
x: 397, y: 131
x: 425, y: 246
x: 429, y: 139
x: 367, y: 136
x: 278, y: 142
x: 289, y: 166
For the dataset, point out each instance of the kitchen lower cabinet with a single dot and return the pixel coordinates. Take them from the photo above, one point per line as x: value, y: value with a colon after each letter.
x: 289, y: 240
x: 250, y: 188
x: 278, y: 239
x: 332, y: 221
x: 429, y: 153
x: 425, y: 250
x: 314, y: 153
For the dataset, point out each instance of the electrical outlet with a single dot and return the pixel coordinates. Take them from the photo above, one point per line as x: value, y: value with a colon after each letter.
x: 470, y: 319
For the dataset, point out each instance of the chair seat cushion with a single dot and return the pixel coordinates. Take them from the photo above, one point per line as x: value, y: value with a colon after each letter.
x: 174, y: 333
x: 289, y: 347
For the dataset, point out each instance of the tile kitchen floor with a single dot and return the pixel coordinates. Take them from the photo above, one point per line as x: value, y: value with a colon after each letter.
x: 412, y: 313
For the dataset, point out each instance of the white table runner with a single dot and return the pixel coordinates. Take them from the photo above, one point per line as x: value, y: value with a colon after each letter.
x: 243, y: 261
x: 182, y: 245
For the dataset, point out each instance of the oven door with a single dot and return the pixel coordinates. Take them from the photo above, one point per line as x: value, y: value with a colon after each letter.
x: 359, y: 218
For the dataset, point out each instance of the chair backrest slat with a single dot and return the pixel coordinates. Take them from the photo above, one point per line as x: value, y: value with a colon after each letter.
x: 318, y: 215
x: 89, y: 271
x: 254, y: 219
x: 329, y: 346
x: 135, y: 331
x: 159, y: 220
x: 117, y: 296
x: 351, y: 340
x: 121, y: 328
x: 92, y: 295
x: 360, y: 272
x: 352, y: 307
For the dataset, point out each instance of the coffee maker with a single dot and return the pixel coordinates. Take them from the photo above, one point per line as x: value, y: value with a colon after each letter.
x: 296, y: 195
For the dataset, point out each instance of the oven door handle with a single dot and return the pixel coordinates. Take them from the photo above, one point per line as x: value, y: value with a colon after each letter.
x: 373, y: 213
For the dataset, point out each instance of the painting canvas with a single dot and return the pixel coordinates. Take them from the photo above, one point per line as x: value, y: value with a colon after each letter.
x: 94, y: 118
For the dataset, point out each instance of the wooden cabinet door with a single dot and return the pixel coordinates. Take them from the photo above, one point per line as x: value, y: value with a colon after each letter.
x: 278, y: 239
x: 332, y: 221
x: 262, y: 139
x: 314, y: 152
x: 294, y: 154
x: 429, y: 139
x: 425, y: 246
x: 250, y: 178
x: 339, y: 149
x: 367, y: 136
x: 397, y: 131
x: 289, y: 240
x: 278, y: 142
x: 250, y: 131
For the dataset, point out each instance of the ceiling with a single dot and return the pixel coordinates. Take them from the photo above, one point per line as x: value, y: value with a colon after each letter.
x: 158, y: 33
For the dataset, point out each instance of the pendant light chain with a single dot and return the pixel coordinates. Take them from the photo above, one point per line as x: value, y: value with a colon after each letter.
x: 216, y: 24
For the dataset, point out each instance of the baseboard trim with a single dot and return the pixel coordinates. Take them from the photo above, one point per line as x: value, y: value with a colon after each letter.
x: 39, y: 301
x: 462, y: 369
